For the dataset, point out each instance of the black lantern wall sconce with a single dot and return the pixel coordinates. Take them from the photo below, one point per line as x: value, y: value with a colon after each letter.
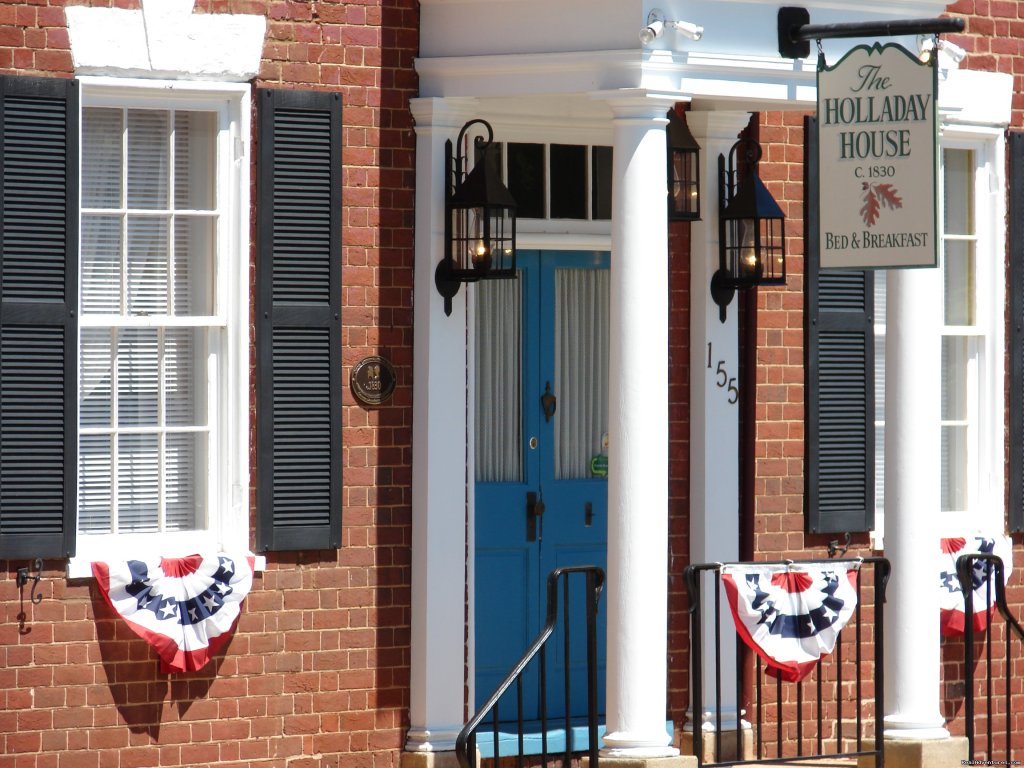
x: 480, y: 219
x: 683, y: 170
x: 751, y: 229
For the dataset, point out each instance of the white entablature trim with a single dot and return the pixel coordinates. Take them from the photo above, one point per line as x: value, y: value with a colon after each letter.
x: 669, y: 6
x: 528, y: 73
x: 769, y: 81
x: 165, y: 40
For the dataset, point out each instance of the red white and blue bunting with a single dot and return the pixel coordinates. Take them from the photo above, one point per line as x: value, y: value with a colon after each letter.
x: 951, y: 596
x: 791, y: 615
x: 184, y: 607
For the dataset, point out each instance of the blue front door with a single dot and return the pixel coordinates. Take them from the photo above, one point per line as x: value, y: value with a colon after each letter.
x: 541, y: 373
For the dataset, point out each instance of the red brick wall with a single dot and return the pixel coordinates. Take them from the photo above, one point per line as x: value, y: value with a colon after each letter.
x: 317, y: 673
x: 679, y: 466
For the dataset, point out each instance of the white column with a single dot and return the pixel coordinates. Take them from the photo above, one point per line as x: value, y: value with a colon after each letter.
x: 912, y: 499
x: 637, y: 590
x: 714, y: 420
x: 437, y: 654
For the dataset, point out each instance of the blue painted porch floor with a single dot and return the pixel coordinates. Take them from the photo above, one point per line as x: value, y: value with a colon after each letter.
x: 508, y: 738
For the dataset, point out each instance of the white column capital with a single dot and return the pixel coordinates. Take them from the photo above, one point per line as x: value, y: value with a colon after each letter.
x: 724, y: 125
x: 432, y: 114
x: 638, y: 103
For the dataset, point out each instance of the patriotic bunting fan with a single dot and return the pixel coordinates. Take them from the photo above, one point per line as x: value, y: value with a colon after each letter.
x: 184, y: 607
x: 951, y: 596
x: 791, y: 615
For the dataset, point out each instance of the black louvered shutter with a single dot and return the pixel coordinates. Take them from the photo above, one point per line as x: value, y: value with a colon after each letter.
x: 298, y: 321
x: 840, y: 380
x: 38, y: 323
x: 1016, y: 233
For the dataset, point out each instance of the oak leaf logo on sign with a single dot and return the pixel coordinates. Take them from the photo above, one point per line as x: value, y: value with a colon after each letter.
x: 876, y: 197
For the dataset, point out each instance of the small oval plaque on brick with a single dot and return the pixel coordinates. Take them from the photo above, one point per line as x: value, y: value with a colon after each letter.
x: 372, y: 380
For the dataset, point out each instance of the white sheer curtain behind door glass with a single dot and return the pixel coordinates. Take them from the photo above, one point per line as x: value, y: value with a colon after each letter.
x: 581, y: 369
x: 499, y: 448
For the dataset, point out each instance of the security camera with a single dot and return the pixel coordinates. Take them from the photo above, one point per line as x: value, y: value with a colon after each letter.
x: 689, y: 29
x: 954, y: 51
x: 927, y: 45
x: 656, y: 23
x: 654, y: 29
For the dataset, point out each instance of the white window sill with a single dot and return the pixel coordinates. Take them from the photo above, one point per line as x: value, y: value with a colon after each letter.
x: 144, y: 546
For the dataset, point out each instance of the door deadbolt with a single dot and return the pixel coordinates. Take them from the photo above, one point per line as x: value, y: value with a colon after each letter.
x: 534, y: 515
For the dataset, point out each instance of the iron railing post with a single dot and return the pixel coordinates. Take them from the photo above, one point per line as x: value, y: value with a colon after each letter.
x: 593, y: 596
x: 964, y: 567
x: 692, y: 578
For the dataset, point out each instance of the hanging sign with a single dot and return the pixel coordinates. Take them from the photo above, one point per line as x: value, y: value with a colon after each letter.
x: 877, y: 160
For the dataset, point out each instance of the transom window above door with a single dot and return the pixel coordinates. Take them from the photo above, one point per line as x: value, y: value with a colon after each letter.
x: 556, y: 181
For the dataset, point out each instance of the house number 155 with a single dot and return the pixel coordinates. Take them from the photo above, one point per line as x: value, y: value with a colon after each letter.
x: 723, y: 380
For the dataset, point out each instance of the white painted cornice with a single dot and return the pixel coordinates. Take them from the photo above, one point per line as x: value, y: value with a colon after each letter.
x: 528, y: 73
x: 976, y: 98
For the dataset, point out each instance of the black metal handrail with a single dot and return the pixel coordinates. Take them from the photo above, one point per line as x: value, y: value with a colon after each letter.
x: 881, y: 570
x: 994, y: 575
x: 465, y: 744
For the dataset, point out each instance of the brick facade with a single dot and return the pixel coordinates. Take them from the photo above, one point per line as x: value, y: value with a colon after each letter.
x: 317, y: 674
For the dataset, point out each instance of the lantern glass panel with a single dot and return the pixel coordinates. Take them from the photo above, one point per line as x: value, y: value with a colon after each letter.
x: 684, y: 182
x: 742, y: 251
x: 772, y: 252
x: 502, y: 237
x: 470, y: 239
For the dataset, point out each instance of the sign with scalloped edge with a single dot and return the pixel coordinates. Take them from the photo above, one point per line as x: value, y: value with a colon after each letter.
x: 877, y: 160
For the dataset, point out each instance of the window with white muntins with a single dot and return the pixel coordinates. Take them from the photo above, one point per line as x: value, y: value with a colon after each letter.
x: 971, y: 418
x: 163, y: 353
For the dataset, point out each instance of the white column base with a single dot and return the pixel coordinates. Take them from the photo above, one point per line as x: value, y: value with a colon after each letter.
x: 640, y: 746
x: 709, y: 720
x: 432, y: 740
x: 639, y: 753
x: 916, y: 730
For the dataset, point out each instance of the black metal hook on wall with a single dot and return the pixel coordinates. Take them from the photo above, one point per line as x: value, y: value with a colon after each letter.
x: 834, y: 549
x: 23, y: 579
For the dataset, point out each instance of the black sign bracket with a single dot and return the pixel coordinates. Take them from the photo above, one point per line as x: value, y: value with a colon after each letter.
x: 796, y: 31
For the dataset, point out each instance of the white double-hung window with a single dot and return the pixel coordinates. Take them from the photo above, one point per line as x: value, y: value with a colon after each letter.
x: 973, y: 301
x: 163, y: 352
